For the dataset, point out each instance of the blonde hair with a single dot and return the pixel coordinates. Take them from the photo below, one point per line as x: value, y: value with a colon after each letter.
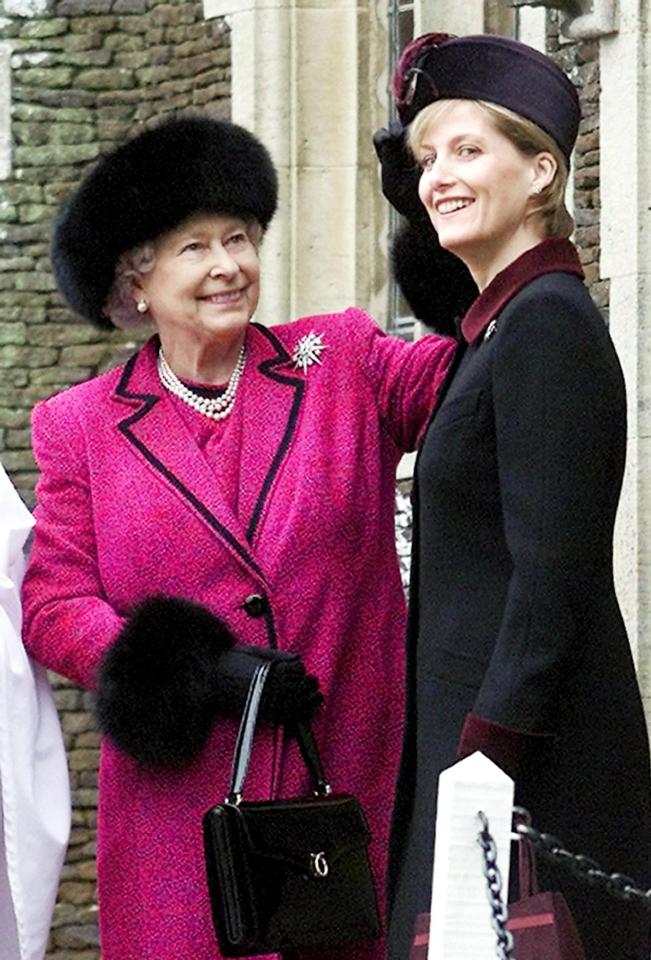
x: 526, y: 137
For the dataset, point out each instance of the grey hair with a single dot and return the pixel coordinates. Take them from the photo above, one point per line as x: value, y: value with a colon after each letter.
x: 120, y: 306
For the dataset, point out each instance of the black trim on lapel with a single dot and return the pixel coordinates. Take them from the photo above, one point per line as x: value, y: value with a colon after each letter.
x: 149, y: 401
x: 267, y: 368
x: 271, y: 628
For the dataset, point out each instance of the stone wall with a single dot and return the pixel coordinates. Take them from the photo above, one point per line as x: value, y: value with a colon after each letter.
x: 580, y: 60
x: 85, y: 73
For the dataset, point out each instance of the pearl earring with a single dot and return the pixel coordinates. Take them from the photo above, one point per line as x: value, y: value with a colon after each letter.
x: 537, y: 189
x: 142, y: 306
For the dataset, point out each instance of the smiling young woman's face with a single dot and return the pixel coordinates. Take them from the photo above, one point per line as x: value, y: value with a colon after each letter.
x: 206, y: 279
x: 477, y: 186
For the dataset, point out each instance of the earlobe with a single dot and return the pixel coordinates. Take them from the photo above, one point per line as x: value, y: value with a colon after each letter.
x: 544, y: 172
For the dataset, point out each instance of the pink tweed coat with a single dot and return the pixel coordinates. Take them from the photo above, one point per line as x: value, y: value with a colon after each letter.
x: 128, y: 506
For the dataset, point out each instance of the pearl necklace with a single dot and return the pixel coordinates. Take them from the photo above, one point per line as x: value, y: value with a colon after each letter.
x: 217, y: 408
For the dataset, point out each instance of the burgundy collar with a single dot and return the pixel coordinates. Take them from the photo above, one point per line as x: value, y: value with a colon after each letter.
x: 551, y: 256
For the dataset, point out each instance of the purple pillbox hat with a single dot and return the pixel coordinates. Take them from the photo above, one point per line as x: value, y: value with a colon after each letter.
x: 486, y: 67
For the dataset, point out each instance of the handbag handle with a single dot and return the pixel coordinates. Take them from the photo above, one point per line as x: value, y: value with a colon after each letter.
x: 527, y: 868
x: 244, y: 744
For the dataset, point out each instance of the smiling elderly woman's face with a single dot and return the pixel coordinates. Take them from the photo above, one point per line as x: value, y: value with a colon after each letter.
x: 205, y: 278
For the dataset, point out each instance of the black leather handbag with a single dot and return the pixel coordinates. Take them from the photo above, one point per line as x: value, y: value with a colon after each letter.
x: 287, y: 875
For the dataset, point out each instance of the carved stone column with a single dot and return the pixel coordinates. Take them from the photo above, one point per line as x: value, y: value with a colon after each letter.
x: 304, y: 78
x: 585, y: 19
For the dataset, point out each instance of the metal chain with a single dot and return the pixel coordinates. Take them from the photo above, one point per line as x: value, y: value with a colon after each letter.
x: 504, y: 948
x: 552, y: 849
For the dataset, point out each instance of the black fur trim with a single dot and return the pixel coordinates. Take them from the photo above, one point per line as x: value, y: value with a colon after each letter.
x: 157, y: 682
x: 437, y: 285
x: 150, y: 184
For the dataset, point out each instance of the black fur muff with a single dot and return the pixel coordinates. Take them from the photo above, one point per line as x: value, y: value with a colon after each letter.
x: 157, y: 682
x: 437, y: 285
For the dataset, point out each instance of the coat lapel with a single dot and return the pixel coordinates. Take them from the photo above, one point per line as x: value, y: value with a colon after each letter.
x: 271, y: 401
x: 164, y: 442
x: 271, y: 396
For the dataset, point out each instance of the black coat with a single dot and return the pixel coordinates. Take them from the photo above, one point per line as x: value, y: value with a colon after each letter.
x: 516, y: 643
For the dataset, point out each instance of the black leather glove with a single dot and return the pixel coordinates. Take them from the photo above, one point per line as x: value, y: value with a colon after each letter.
x: 290, y: 694
x: 400, y: 172
x: 173, y: 668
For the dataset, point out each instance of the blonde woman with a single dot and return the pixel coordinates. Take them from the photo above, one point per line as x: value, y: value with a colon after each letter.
x: 516, y: 645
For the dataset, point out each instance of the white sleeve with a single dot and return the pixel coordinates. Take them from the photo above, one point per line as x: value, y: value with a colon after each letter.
x: 34, y: 791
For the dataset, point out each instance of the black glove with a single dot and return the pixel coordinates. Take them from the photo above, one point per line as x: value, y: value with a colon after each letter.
x: 400, y: 172
x: 290, y: 694
x: 173, y: 668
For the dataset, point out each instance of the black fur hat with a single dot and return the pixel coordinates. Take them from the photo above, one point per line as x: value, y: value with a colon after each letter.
x: 150, y: 184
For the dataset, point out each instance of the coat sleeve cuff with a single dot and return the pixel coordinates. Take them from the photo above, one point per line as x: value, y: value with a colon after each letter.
x: 506, y: 747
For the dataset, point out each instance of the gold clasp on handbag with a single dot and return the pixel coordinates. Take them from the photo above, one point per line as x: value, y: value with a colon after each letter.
x: 319, y: 864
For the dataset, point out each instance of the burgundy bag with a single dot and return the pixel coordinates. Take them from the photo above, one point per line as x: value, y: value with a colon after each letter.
x: 541, y: 923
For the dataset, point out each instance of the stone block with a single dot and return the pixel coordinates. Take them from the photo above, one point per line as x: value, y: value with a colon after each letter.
x: 168, y: 14
x: 114, y: 112
x: 132, y: 59
x: 12, y: 355
x: 91, y: 739
x: 106, y: 79
x: 87, y: 778
x: 20, y: 193
x: 72, y: 133
x: 113, y: 130
x: 129, y: 6
x: 87, y: 25
x: 35, y: 113
x: 8, y: 212
x: 119, y: 96
x: 73, y: 8
x: 18, y: 439
x: 86, y: 797
x: 31, y: 134
x: 48, y: 77
x: 84, y: 355
x: 124, y: 44
x: 60, y: 374
x: 25, y: 481
x: 13, y: 460
x: 33, y: 212
x: 41, y: 28
x: 90, y: 58
x: 54, y: 192
x: 87, y: 870
x: 134, y: 24
x: 77, y: 42
x: 14, y: 418
x: 77, y: 893
x: 34, y: 281
x: 13, y: 333
x: 76, y: 936
x: 53, y: 98
x: 16, y: 377
x: 77, y: 722
x: 155, y: 35
x: 56, y: 154
x: 82, y: 852
x: 213, y: 92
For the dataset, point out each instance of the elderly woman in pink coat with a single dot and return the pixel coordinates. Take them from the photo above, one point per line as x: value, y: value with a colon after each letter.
x: 225, y: 496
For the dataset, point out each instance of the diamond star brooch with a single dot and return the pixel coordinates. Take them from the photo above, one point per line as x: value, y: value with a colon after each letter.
x: 308, y: 350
